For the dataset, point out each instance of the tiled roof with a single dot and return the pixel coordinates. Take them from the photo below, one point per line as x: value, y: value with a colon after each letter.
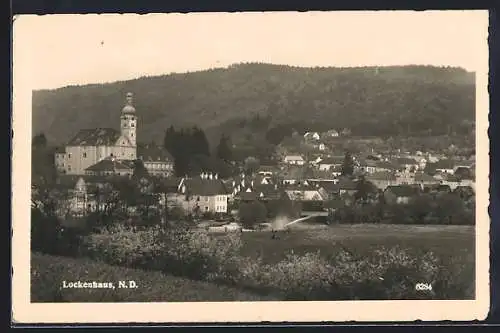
x: 153, y: 153
x: 247, y: 196
x: 405, y: 161
x: 386, y: 165
x: 423, y: 177
x: 333, y: 160
x: 403, y: 190
x: 168, y: 185
x: 381, y: 176
x: 108, y: 165
x: 444, y: 164
x: 95, y: 137
x: 438, y: 187
x: 205, y: 187
x: 294, y: 158
x: 60, y: 150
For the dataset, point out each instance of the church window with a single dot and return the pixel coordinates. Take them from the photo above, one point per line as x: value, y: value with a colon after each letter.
x: 132, y: 134
x: 132, y: 125
x: 69, y: 155
x: 84, y: 155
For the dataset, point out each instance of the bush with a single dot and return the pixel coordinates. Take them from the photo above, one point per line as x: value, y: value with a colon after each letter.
x: 49, y: 236
x: 179, y: 251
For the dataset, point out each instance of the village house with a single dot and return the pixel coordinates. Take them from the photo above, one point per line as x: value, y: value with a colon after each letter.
x: 405, y: 177
x: 330, y: 162
x: 110, y: 166
x: 331, y: 134
x: 80, y: 194
x: 367, y: 166
x: 445, y: 166
x: 294, y: 160
x: 437, y: 189
x: 347, y: 186
x: 90, y: 146
x: 407, y: 164
x: 382, y: 180
x: 400, y: 194
x: 156, y: 160
x: 424, y: 179
x: 311, y: 136
x: 203, y: 194
x: 292, y: 175
x: 452, y: 181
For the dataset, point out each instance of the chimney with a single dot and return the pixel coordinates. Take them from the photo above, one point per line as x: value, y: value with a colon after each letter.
x: 211, y: 176
x: 216, y: 176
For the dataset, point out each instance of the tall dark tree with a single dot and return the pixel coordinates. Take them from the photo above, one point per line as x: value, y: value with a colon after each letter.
x: 39, y: 141
x: 223, y: 151
x: 348, y: 164
x: 200, y: 142
x: 140, y: 171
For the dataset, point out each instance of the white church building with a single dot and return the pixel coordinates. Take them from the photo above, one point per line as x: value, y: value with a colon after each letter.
x: 89, y: 147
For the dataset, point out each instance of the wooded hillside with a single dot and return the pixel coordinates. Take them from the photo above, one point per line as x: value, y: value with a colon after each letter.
x: 247, y: 100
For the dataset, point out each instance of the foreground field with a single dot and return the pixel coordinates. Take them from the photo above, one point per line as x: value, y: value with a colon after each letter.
x: 361, y: 239
x: 49, y: 272
x: 343, y: 262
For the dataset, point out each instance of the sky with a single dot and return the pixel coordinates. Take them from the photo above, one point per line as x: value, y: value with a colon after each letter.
x: 62, y: 50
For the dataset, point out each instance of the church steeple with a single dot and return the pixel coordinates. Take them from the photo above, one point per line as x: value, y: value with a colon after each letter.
x: 128, y: 123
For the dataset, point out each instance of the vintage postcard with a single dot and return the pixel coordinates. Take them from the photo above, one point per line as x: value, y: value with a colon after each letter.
x: 249, y: 167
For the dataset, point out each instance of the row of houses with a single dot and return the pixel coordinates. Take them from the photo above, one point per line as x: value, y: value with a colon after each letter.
x: 207, y: 193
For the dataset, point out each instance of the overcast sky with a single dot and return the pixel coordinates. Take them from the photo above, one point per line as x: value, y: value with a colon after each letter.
x: 65, y: 50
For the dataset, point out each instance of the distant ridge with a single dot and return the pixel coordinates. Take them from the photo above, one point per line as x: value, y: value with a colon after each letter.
x: 394, y: 100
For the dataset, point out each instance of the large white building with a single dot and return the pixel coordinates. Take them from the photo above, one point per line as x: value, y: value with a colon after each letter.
x: 91, y: 146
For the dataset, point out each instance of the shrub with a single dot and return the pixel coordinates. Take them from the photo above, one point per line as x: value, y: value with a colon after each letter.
x: 387, y: 273
x: 180, y: 251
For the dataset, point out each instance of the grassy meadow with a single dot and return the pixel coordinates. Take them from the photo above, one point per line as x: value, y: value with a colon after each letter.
x: 361, y: 239
x: 339, y: 262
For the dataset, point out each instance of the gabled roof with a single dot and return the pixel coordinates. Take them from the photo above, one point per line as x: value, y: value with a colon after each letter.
x: 438, y: 188
x: 247, y: 196
x: 381, y: 176
x: 386, y: 165
x: 333, y: 160
x: 403, y: 190
x: 168, y: 185
x: 205, y: 187
x: 406, y: 161
x: 294, y: 158
x: 153, y: 153
x: 95, y: 137
x: 423, y: 177
x: 444, y: 164
x: 108, y: 165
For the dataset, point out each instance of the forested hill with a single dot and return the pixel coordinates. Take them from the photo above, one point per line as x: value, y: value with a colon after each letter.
x: 252, y: 98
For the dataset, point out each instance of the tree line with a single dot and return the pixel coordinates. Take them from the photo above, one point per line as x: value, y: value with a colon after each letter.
x: 192, y: 155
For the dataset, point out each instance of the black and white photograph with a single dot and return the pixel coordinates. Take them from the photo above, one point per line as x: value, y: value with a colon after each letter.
x: 245, y: 166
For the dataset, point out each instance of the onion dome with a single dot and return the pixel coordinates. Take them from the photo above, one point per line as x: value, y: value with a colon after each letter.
x: 129, y: 108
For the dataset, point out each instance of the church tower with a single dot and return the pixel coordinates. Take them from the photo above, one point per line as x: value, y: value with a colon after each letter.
x: 128, y: 124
